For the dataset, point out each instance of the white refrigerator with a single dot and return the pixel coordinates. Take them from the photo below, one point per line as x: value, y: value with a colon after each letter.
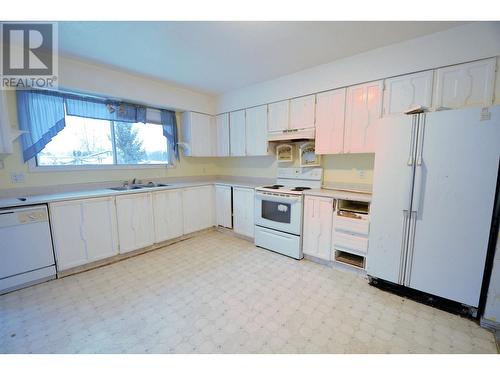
x: 434, y: 187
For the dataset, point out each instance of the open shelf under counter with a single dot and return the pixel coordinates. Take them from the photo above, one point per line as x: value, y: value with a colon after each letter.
x: 349, y: 259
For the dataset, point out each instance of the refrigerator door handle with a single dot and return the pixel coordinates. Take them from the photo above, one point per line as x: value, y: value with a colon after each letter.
x: 404, y: 243
x: 411, y: 155
x: 417, y: 189
x: 411, y: 247
x: 420, y: 138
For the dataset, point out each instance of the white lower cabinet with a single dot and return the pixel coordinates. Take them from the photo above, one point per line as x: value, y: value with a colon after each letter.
x: 223, y: 206
x: 135, y: 221
x: 243, y: 211
x: 199, y: 208
x: 318, y: 216
x: 84, y: 231
x: 168, y: 214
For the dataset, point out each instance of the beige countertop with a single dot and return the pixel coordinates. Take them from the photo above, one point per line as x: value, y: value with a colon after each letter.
x: 340, y: 194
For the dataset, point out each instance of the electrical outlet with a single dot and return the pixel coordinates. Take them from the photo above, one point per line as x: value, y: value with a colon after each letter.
x: 361, y: 174
x: 17, y: 177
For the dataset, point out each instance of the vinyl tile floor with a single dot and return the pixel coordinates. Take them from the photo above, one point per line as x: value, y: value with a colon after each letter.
x: 215, y: 293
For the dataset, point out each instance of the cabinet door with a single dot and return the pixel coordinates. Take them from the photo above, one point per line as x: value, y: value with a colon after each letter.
x: 66, y: 220
x: 198, y: 132
x: 199, y: 208
x: 402, y: 93
x: 363, y: 108
x: 206, y: 206
x: 237, y: 133
x: 100, y: 228
x: 256, y: 130
x: 168, y: 218
x: 135, y: 221
x: 302, y: 112
x: 223, y: 206
x: 330, y: 111
x: 222, y: 122
x: 191, y: 219
x: 318, y: 217
x: 278, y: 116
x: 243, y: 211
x: 464, y: 85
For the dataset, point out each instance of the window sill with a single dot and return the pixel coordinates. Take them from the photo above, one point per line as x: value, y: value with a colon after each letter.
x: 33, y: 167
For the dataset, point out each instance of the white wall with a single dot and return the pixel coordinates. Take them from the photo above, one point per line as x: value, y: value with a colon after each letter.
x: 460, y: 44
x: 101, y: 80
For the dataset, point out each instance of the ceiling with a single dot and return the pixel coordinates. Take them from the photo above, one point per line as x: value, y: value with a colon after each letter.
x: 216, y: 57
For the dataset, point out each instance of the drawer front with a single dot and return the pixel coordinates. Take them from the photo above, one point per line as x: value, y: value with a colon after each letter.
x: 350, y: 243
x: 347, y: 224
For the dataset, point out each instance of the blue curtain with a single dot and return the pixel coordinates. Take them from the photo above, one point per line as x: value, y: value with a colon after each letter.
x: 41, y: 116
x: 169, y: 123
x: 101, y: 109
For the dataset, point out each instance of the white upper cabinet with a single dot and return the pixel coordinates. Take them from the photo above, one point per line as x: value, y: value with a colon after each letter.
x: 278, y: 116
x: 135, y: 221
x: 256, y: 131
x: 363, y: 108
x: 302, y: 112
x: 222, y: 125
x: 168, y: 218
x: 243, y: 211
x: 83, y: 231
x: 199, y: 133
x: 330, y: 113
x: 237, y: 132
x: 464, y: 85
x: 401, y: 93
x: 223, y: 207
x: 318, y: 218
x: 5, y: 131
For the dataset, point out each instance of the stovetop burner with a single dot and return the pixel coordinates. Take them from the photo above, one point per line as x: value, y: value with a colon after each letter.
x: 276, y: 187
x: 300, y: 188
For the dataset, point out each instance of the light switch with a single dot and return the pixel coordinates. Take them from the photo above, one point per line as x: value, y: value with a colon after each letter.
x: 17, y: 177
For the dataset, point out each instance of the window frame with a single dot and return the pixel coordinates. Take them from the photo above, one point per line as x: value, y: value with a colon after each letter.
x: 34, y: 167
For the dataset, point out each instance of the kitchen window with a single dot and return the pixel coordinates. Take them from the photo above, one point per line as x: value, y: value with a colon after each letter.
x: 86, y: 141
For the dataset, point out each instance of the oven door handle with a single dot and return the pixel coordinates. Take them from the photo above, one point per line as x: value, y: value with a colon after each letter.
x: 277, y: 198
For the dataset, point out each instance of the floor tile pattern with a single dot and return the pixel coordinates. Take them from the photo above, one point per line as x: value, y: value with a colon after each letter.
x: 215, y: 293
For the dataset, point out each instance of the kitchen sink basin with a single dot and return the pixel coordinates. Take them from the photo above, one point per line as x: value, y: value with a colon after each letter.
x: 138, y: 186
x: 124, y: 188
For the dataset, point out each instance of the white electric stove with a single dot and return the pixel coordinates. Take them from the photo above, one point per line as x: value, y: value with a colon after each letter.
x: 279, y: 210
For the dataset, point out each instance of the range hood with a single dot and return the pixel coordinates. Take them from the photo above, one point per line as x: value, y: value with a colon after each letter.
x: 291, y: 134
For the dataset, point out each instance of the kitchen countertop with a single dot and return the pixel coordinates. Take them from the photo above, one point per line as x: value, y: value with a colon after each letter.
x: 104, y: 192
x: 340, y: 194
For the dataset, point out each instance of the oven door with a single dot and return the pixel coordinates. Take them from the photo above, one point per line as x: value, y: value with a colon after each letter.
x: 283, y: 213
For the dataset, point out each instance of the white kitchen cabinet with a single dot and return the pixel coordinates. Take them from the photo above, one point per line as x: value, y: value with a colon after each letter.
x: 256, y: 131
x: 135, y: 221
x: 318, y: 216
x: 278, y: 116
x: 223, y: 206
x: 302, y: 112
x: 198, y: 208
x: 83, y: 231
x: 465, y: 85
x: 363, y: 108
x: 243, y: 211
x: 222, y: 125
x: 167, y: 210
x: 237, y: 133
x: 404, y: 92
x: 199, y: 134
x: 330, y: 115
x: 5, y: 130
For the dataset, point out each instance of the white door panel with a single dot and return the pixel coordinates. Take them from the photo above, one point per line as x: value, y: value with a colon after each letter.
x: 237, y: 133
x: 330, y: 115
x: 406, y: 91
x: 302, y: 112
x: 278, y: 116
x: 256, y: 131
x: 168, y: 215
x: 222, y: 126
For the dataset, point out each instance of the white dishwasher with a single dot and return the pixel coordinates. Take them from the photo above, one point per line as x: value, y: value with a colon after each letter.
x: 26, y: 255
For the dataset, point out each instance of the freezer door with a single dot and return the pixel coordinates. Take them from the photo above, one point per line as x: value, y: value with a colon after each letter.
x: 455, y: 181
x: 392, y: 190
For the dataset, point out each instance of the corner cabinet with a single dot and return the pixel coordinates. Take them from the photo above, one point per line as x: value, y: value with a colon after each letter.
x: 330, y: 115
x: 237, y: 133
x: 168, y: 215
x: 83, y: 231
x: 222, y: 129
x: 318, y: 219
x: 199, y: 134
x: 465, y: 85
x: 198, y: 208
x: 256, y: 131
x: 243, y: 211
x: 363, y: 109
x: 135, y: 221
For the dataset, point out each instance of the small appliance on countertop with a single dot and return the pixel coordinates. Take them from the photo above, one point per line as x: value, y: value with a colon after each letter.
x: 279, y: 210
